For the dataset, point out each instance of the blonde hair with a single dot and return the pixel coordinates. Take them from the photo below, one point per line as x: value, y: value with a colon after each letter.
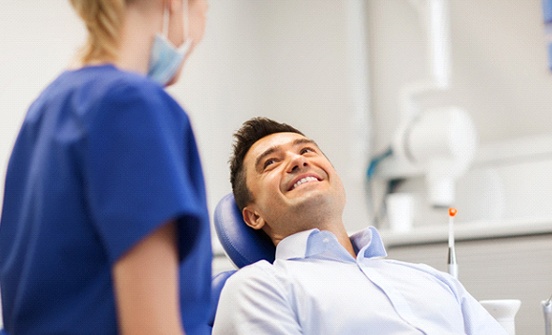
x: 103, y: 20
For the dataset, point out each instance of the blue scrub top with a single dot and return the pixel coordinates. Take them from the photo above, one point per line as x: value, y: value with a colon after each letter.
x: 103, y: 158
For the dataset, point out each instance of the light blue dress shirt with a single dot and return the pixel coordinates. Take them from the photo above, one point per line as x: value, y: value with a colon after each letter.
x: 316, y: 287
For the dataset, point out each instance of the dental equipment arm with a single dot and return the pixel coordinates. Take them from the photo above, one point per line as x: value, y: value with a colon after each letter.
x: 440, y: 143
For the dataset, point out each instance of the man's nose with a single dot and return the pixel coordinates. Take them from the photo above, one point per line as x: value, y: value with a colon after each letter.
x: 297, y: 163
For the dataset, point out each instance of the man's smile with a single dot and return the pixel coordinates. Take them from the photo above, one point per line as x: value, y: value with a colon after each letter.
x: 303, y: 180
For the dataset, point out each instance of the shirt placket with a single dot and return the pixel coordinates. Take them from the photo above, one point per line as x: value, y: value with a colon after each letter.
x: 371, y: 269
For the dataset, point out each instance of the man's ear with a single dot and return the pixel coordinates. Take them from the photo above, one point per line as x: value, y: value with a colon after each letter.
x: 252, y: 218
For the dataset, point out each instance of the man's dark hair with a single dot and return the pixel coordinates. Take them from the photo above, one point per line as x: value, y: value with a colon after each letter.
x: 250, y: 132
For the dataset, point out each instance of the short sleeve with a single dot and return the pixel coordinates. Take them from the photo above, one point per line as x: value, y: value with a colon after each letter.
x: 141, y: 168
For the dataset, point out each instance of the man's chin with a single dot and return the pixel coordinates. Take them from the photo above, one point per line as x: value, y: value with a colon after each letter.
x: 312, y: 200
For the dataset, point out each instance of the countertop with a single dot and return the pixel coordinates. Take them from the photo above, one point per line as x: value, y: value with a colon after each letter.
x: 469, y: 231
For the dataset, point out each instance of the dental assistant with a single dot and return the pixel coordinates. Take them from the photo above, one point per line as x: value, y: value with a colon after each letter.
x: 105, y: 226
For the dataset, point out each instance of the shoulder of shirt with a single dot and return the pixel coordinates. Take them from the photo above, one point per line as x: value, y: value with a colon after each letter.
x: 127, y: 82
x: 111, y: 82
x: 261, y: 271
x: 258, y: 268
x: 126, y: 87
x: 262, y: 276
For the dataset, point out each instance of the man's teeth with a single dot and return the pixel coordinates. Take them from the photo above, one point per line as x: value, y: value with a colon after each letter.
x: 304, y: 180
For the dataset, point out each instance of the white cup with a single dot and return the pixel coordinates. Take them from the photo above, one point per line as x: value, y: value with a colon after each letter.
x: 400, y: 211
x: 504, y: 311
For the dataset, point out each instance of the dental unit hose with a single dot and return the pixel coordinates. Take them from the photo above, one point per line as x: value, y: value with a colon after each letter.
x: 452, y: 264
x: 547, y: 310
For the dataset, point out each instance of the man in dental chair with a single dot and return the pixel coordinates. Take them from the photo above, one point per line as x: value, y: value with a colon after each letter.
x: 322, y: 280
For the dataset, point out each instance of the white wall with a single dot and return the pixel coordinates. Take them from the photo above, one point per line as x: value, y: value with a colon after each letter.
x: 499, y: 75
x: 499, y: 64
x: 301, y: 62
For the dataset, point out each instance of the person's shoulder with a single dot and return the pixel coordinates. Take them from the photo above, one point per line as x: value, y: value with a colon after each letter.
x: 261, y: 277
x: 108, y: 80
x: 259, y: 269
x: 121, y: 90
x: 125, y: 83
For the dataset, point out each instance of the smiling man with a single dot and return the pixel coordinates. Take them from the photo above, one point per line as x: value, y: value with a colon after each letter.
x: 322, y: 280
x: 292, y: 181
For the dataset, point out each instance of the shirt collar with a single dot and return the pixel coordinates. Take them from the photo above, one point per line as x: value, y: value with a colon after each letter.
x: 369, y: 243
x: 313, y: 242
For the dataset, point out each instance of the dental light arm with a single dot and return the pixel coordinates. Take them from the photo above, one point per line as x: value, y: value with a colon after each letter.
x: 440, y: 144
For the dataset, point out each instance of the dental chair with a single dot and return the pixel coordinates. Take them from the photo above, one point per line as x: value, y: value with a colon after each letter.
x: 243, y: 245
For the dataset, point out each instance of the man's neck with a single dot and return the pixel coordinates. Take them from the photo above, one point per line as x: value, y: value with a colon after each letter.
x: 343, y: 239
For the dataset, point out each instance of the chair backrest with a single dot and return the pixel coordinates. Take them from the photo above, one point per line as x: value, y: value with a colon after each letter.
x: 242, y: 244
x: 217, y: 283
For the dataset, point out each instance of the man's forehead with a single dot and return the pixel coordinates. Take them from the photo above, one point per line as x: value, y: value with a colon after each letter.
x: 275, y: 141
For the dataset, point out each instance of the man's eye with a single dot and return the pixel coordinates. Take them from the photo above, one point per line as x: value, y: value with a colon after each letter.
x: 268, y: 162
x: 306, y: 150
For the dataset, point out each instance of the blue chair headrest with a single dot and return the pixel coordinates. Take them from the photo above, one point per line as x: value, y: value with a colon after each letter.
x: 242, y: 244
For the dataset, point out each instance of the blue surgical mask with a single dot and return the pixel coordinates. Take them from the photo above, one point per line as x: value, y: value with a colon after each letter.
x: 165, y: 58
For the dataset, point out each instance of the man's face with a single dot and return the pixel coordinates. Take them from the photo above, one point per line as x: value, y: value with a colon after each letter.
x: 293, y: 184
